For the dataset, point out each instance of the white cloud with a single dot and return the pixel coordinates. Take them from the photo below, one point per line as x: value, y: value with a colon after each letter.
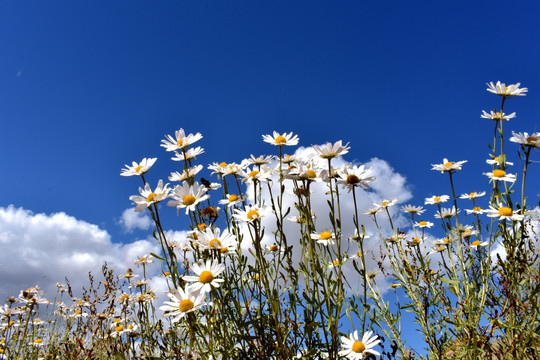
x: 41, y: 249
x: 132, y: 220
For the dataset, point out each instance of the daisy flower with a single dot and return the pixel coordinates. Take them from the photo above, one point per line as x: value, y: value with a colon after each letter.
x: 188, y: 197
x: 424, y: 224
x: 498, y: 161
x: 448, y: 166
x: 206, y: 276
x: 300, y: 170
x: 442, y: 242
x: 287, y: 159
x: 446, y: 213
x: 492, y: 115
x: 524, y: 139
x: 386, y: 203
x: 355, y: 349
x: 281, y: 139
x: 474, y: 210
x: 232, y: 200
x: 324, y: 238
x: 149, y: 197
x: 251, y: 213
x: 415, y: 241
x: 182, y: 302
x: 475, y: 244
x: 372, y: 211
x: 351, y: 176
x: 260, y: 160
x: 180, y: 141
x: 213, y: 239
x: 501, y: 175
x: 186, y: 174
x: 263, y: 174
x: 143, y: 260
x: 337, y: 262
x: 188, y: 154
x: 274, y: 249
x: 138, y: 168
x: 503, y: 213
x: 503, y: 90
x: 436, y: 199
x: 413, y: 209
x: 472, y: 195
x: 329, y: 150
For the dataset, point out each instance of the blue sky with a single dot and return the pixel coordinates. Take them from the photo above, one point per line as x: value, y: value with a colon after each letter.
x: 86, y: 87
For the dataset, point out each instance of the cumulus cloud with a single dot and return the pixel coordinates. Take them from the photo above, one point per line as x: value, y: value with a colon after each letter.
x: 43, y: 249
x: 132, y: 220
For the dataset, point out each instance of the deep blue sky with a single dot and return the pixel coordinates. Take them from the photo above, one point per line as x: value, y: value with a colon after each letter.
x: 88, y: 86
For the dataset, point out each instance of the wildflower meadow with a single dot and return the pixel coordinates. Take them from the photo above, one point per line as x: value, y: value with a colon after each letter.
x: 259, y: 274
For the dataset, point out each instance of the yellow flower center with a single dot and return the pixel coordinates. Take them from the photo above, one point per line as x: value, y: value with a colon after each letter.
x: 422, y: 223
x: 119, y: 328
x: 180, y: 142
x: 138, y: 168
x: 186, y: 305
x: 325, y: 235
x: 166, y: 273
x: 472, y: 194
x: 477, y: 208
x: 532, y: 139
x: 384, y: 203
x: 336, y: 262
x: 475, y: 243
x: 505, y: 211
x: 358, y: 346
x: 189, y: 200
x: 252, y: 214
x: 437, y: 199
x: 38, y: 341
x: 206, y: 277
x: 223, y: 164
x: 215, y: 243
x: 499, y: 173
x: 253, y: 173
x: 274, y: 247
x: 311, y: 174
x: 224, y: 250
x: 352, y: 179
x: 151, y: 197
x: 448, y: 164
x: 233, y: 198
x: 201, y: 226
x: 416, y: 240
x: 130, y: 327
x: 498, y: 114
x: 124, y: 297
x: 496, y: 159
x: 78, y: 312
x: 116, y: 320
x: 280, y: 140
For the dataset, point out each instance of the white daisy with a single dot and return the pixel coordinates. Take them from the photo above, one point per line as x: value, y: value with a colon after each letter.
x: 355, y: 349
x: 206, y: 276
x: 260, y: 160
x: 503, y: 213
x: 524, y: 139
x: 149, y: 197
x: 262, y: 174
x: 503, y: 90
x: 232, y: 200
x: 182, y: 302
x: 251, y: 213
x: 138, y: 168
x: 448, y: 166
x: 324, y: 238
x: 499, y: 161
x: 213, y: 239
x: 475, y: 244
x: 473, y: 195
x: 186, y: 174
x: 281, y: 139
x: 436, y: 199
x: 187, y: 196
x: 143, y: 260
x: 474, y: 210
x: 501, y: 175
x: 413, y: 209
x: 446, y: 213
x: 188, y: 154
x: 493, y: 115
x: 424, y: 224
x: 351, y: 176
x: 329, y: 150
x: 180, y: 141
x: 386, y: 203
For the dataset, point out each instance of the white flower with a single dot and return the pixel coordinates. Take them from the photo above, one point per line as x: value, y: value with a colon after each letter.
x: 472, y: 195
x: 149, y: 197
x: 355, y: 349
x: 186, y: 174
x: 413, y: 209
x: 251, y: 213
x: 324, y: 238
x: 213, y: 239
x: 497, y: 115
x: 446, y: 213
x: 260, y: 160
x: 436, y: 199
x: 448, y: 166
x: 424, y: 224
x: 500, y: 175
x: 386, y: 203
x: 475, y: 244
x: 182, y: 302
x: 503, y: 213
x: 281, y: 139
x: 524, y: 139
x: 264, y: 174
x: 352, y: 175
x: 232, y: 200
x: 143, y: 260
x: 188, y: 154
x: 499, y: 161
x: 206, y: 276
x: 138, y: 168
x: 474, y: 210
x: 187, y: 196
x: 503, y: 90
x: 180, y: 141
x: 329, y: 150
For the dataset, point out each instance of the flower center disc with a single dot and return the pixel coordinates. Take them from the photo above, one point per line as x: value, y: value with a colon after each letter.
x: 422, y: 223
x: 352, y: 179
x: 476, y: 243
x: 233, y: 198
x: 505, y: 211
x: 151, y: 197
x: 311, y: 174
x: 325, y: 235
x: 499, y: 173
x: 189, y: 200
x: 532, y: 139
x: 215, y: 243
x: 252, y: 214
x: 273, y: 247
x: 186, y: 305
x: 358, y: 346
x: 206, y: 277
x: 280, y: 140
x: 448, y: 164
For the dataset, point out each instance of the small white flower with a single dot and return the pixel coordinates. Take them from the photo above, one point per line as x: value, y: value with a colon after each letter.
x: 448, y: 166
x: 436, y: 199
x: 187, y: 196
x: 251, y: 213
x: 525, y: 139
x: 424, y: 224
x: 352, y: 176
x: 503, y: 90
x: 149, y: 197
x: 182, y: 302
x: 386, y: 203
x: 497, y: 115
x: 501, y: 175
x: 355, y: 349
x: 329, y: 150
x: 180, y: 141
x: 324, y: 238
x: 138, y: 168
x: 206, y: 276
x: 473, y: 195
x: 281, y: 139
x: 475, y: 244
x: 413, y: 209
x: 503, y: 213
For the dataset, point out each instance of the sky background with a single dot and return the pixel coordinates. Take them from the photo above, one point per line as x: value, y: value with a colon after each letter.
x: 87, y: 87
